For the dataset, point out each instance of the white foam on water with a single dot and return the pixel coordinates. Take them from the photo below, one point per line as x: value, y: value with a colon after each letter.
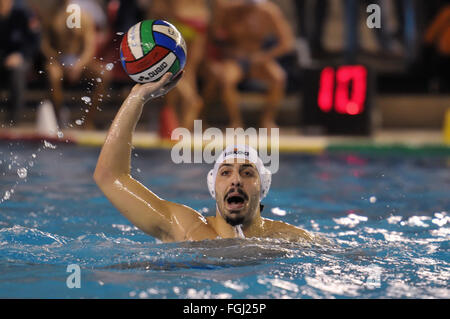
x: 278, y: 211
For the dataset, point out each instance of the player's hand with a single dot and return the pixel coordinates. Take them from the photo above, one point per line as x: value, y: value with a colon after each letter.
x: 149, y: 91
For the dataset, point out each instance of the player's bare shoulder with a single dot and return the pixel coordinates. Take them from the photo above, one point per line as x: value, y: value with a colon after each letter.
x: 282, y: 230
x: 190, y: 224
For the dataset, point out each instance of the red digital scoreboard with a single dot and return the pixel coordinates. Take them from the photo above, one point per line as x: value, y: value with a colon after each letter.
x: 337, y: 100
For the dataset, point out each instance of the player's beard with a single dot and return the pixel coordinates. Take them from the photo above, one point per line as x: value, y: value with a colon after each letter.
x: 231, y: 218
x: 239, y: 217
x: 234, y: 221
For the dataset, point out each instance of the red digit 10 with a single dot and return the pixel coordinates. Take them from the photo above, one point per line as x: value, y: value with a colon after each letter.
x: 339, y: 95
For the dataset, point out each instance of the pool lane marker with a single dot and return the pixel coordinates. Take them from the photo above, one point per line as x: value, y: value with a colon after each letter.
x: 287, y: 144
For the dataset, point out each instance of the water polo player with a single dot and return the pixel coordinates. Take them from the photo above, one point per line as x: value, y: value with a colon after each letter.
x: 238, y: 182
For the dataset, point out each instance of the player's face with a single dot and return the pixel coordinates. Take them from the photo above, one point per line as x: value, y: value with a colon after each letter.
x: 237, y: 191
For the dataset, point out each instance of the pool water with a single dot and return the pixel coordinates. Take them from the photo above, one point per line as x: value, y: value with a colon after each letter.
x: 387, y: 216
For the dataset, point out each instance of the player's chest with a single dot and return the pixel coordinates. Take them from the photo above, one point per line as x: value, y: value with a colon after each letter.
x: 246, y: 27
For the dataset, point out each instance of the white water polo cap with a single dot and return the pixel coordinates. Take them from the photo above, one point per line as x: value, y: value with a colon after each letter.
x: 242, y: 152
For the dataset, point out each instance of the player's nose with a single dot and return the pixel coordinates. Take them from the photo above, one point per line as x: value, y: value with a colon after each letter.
x: 236, y: 179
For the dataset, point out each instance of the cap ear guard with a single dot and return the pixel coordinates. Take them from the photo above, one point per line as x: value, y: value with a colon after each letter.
x: 266, y: 180
x: 211, y: 182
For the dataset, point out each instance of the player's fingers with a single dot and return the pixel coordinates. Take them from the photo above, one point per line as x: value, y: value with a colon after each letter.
x: 177, y: 77
x: 170, y: 85
x: 165, y: 79
x: 155, y: 87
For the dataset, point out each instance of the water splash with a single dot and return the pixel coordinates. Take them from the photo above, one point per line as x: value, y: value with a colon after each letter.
x: 22, y: 172
x: 7, y: 195
x: 86, y: 99
x: 49, y: 145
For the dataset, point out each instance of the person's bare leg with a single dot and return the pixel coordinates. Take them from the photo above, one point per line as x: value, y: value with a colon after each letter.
x: 171, y: 98
x: 192, y: 102
x: 274, y: 76
x: 101, y: 81
x: 168, y: 118
x: 17, y: 79
x: 211, y: 85
x: 231, y: 76
x: 55, y: 74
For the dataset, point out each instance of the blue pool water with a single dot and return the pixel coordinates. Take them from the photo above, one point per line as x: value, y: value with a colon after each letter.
x: 387, y: 215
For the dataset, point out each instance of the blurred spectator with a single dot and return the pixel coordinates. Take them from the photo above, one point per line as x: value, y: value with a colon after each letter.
x: 438, y: 33
x: 438, y: 36
x: 312, y: 16
x: 70, y: 54
x: 251, y: 35
x: 19, y: 33
x: 427, y: 11
x: 191, y: 18
x: 99, y: 17
x: 129, y: 13
x: 385, y: 34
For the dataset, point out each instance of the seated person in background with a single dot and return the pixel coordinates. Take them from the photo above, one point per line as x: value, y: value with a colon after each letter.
x: 191, y: 18
x: 129, y: 13
x: 438, y: 36
x: 252, y: 34
x: 70, y: 55
x: 19, y: 34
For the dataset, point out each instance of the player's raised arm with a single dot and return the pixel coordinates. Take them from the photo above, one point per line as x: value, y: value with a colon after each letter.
x: 116, y: 152
x: 155, y: 216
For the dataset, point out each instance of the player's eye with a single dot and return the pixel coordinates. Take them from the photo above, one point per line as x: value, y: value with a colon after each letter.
x: 225, y: 172
x: 248, y: 173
